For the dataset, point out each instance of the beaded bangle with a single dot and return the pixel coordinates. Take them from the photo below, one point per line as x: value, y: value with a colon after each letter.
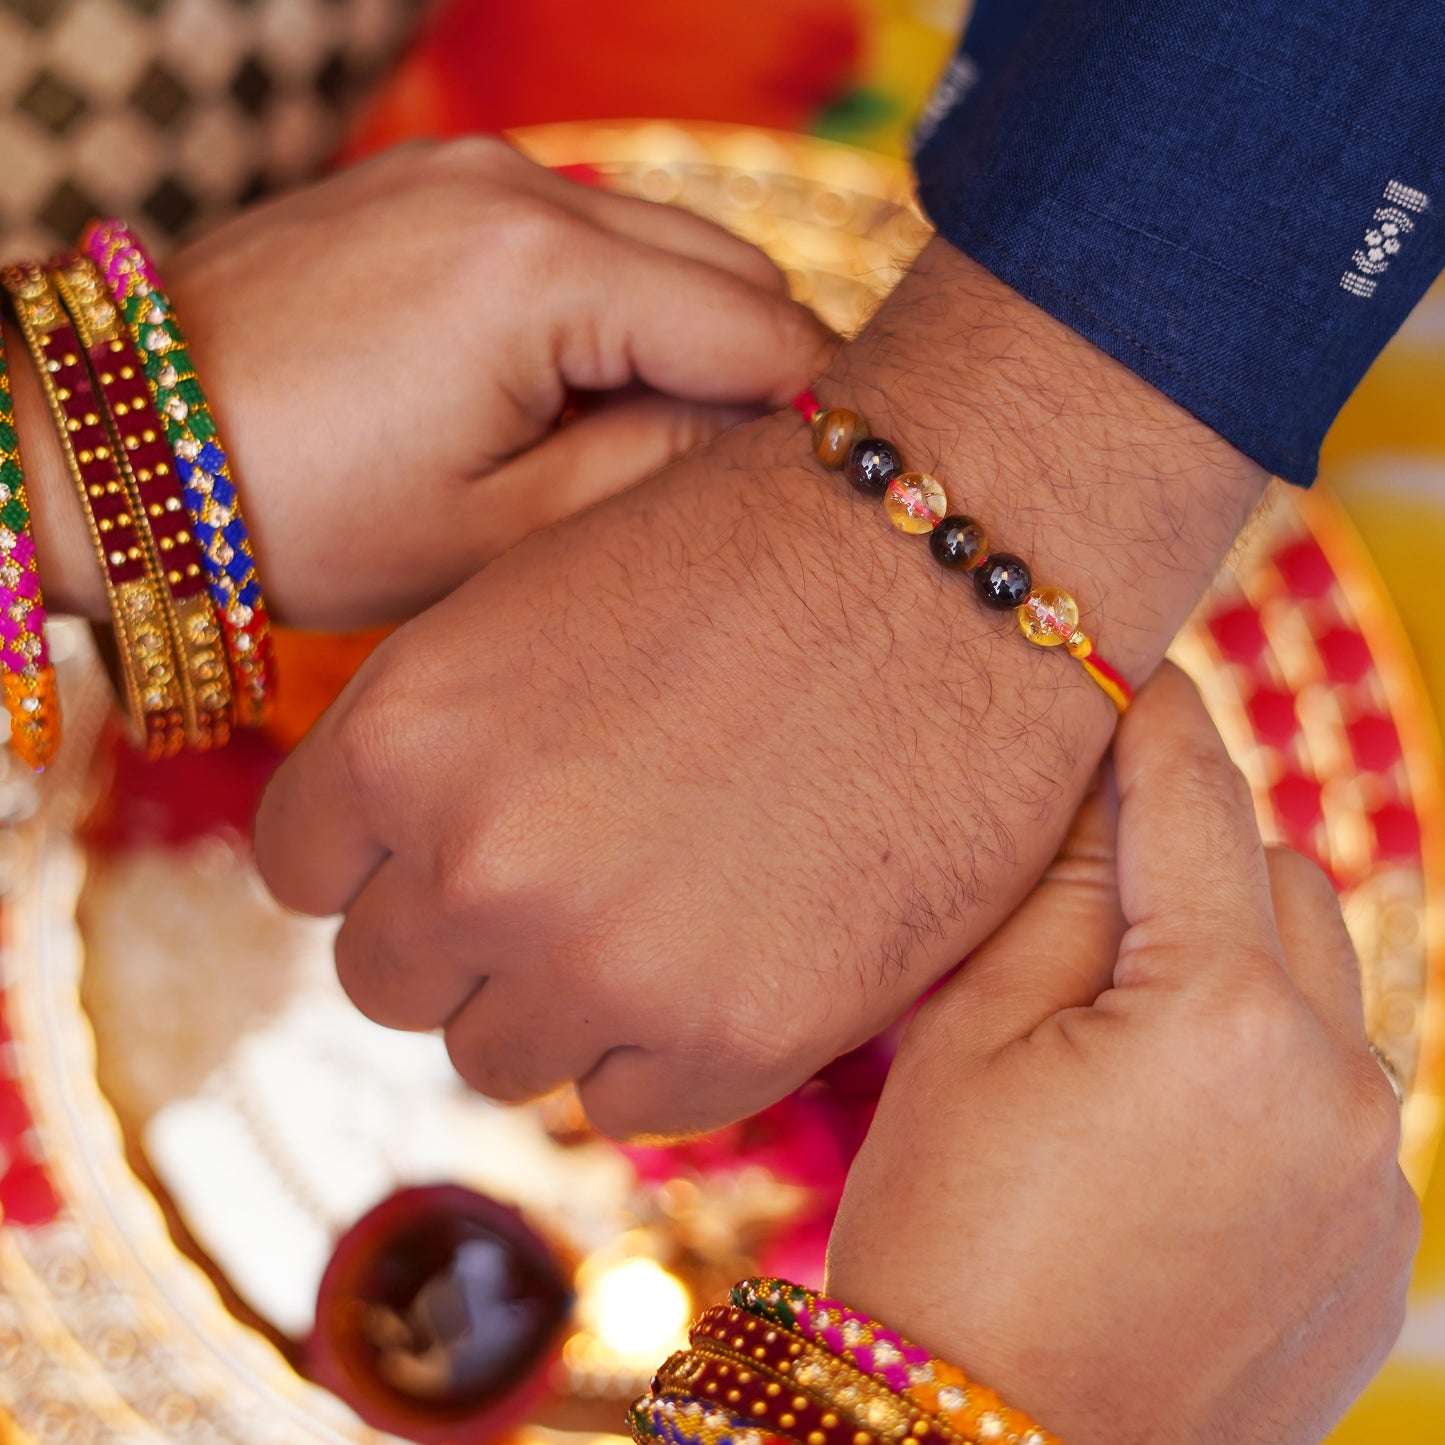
x: 210, y: 490
x: 776, y: 1404
x: 684, y: 1420
x: 833, y: 1381
x: 147, y: 663
x: 916, y: 502
x: 965, y: 1408
x: 28, y: 681
x: 147, y: 468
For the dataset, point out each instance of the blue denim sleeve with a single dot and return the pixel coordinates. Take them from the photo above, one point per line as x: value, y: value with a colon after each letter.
x: 1231, y: 197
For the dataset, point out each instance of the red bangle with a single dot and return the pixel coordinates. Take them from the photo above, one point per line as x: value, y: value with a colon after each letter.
x: 776, y: 1403
x: 147, y: 668
x: 147, y: 467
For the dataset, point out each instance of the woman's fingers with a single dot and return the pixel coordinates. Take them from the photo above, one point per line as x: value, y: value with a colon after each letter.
x: 605, y: 451
x: 630, y: 312
x: 668, y: 228
x: 1192, y: 868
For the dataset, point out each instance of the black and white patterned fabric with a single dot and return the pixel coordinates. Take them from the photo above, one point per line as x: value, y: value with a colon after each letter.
x: 174, y: 112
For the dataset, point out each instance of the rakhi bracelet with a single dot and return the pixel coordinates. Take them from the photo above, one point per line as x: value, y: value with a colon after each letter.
x: 28, y: 679
x: 157, y: 502
x: 148, y: 669
x: 210, y: 490
x: 835, y: 1382
x: 967, y: 1409
x: 772, y: 1403
x: 916, y: 502
x: 686, y: 1420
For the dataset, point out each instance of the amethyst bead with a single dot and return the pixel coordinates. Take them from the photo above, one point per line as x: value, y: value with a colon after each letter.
x: 872, y: 464
x: 1003, y: 582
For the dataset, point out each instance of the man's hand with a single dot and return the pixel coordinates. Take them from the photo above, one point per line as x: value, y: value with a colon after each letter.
x: 389, y: 353
x: 1135, y: 1166
x: 689, y: 794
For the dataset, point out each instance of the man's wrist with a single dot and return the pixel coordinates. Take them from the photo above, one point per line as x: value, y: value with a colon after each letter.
x: 69, y: 572
x: 1104, y: 485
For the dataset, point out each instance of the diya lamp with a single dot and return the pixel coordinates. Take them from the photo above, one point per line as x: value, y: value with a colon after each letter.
x: 440, y: 1316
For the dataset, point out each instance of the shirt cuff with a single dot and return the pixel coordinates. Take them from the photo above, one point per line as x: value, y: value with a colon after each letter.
x: 1231, y: 199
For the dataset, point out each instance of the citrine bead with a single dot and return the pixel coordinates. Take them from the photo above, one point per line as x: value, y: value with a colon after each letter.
x: 915, y: 502
x: 872, y: 463
x: 1048, y: 616
x: 834, y: 433
x: 959, y: 543
x: 1002, y: 581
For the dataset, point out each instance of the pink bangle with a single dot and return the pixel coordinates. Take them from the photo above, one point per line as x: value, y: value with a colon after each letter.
x: 28, y: 681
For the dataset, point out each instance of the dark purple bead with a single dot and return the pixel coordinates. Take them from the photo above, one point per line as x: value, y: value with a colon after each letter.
x: 959, y: 543
x: 1003, y: 581
x: 872, y: 464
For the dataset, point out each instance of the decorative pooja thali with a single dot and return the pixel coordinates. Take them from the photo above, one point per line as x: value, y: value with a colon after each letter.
x: 199, y: 1136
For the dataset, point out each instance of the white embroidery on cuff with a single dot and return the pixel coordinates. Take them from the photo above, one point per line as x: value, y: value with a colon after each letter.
x: 1389, y: 226
x: 960, y: 78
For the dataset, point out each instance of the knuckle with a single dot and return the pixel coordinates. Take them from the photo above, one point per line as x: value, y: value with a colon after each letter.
x: 514, y: 1075
x: 1375, y: 1117
x: 1409, y: 1227
x: 476, y: 154
x: 371, y: 733
x: 1259, y: 1031
x: 478, y: 871
x: 528, y: 236
x: 619, y: 1103
x: 358, y: 965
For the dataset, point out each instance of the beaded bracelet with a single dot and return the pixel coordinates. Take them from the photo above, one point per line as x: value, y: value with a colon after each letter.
x: 146, y: 466
x: 148, y: 669
x: 210, y: 490
x: 964, y: 1407
x: 916, y: 502
x: 28, y: 682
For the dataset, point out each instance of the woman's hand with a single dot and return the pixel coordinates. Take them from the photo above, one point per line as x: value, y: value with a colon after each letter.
x: 389, y: 353
x: 1135, y: 1166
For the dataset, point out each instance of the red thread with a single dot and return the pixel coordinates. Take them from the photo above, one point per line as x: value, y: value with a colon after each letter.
x: 1114, y: 676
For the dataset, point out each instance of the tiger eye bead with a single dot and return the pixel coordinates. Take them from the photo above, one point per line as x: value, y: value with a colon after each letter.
x: 834, y: 433
x: 1048, y: 617
x: 872, y: 463
x: 915, y: 502
x: 1002, y: 581
x: 958, y: 543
